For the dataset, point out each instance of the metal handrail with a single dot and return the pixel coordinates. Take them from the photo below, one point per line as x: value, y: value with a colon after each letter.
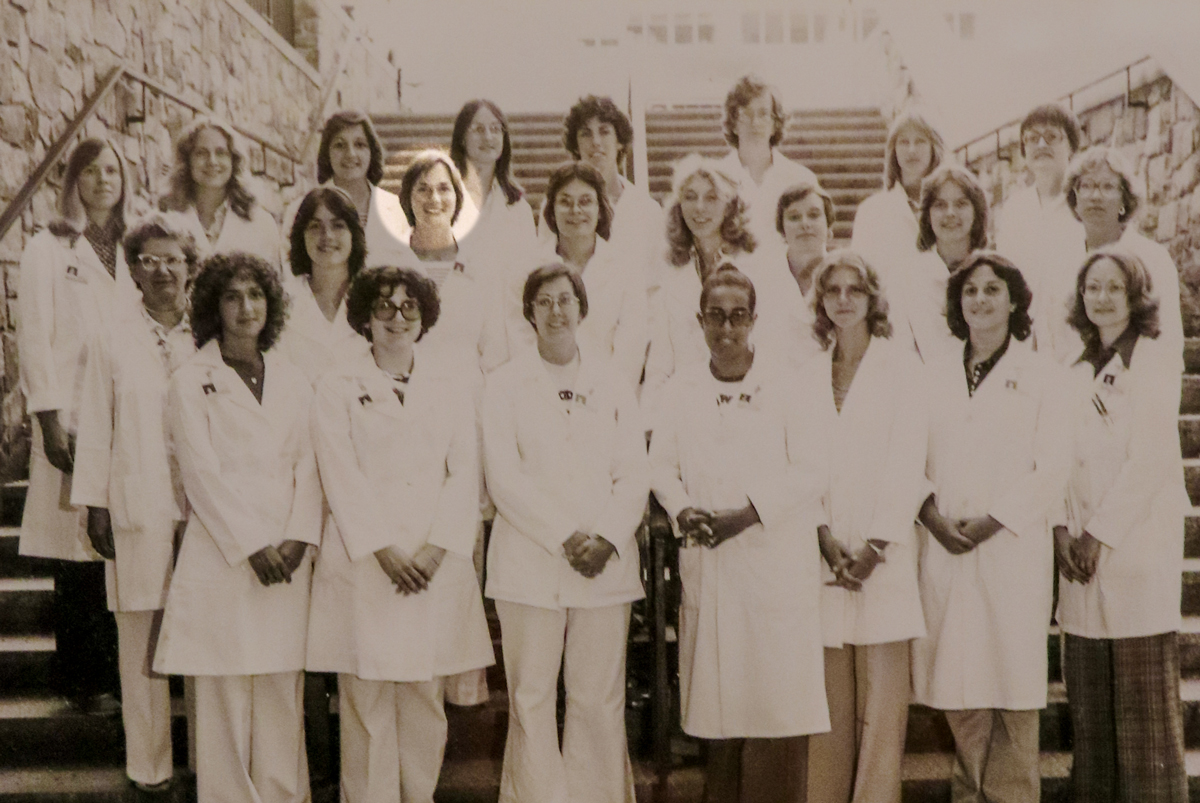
x: 963, y: 150
x: 15, y: 207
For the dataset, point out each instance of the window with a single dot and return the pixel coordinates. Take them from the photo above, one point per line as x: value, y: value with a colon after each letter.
x: 683, y: 29
x: 773, y: 23
x: 705, y: 30
x: 658, y: 28
x: 750, y: 33
x: 280, y: 14
x: 799, y: 28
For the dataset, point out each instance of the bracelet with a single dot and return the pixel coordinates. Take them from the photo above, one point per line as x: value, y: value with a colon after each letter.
x: 878, y: 550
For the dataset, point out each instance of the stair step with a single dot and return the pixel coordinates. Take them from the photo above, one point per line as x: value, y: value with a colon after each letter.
x: 1191, y: 477
x: 26, y: 605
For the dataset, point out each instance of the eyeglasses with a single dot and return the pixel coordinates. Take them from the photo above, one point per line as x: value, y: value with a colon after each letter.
x: 1089, y: 187
x: 1048, y: 135
x: 384, y: 310
x: 716, y: 317
x: 152, y: 262
x: 547, y: 303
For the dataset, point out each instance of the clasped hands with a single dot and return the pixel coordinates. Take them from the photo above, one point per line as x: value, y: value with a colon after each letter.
x: 957, y: 536
x: 849, y: 571
x: 588, y: 553
x: 275, y: 564
x: 411, y: 575
x: 711, y: 528
x: 1077, y: 557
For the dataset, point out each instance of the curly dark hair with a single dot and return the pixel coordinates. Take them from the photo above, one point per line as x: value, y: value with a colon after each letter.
x: 421, y: 164
x: 336, y: 124
x: 602, y: 109
x: 340, y: 206
x: 162, y: 226
x: 589, y: 175
x: 1019, y: 322
x: 512, y: 190
x: 727, y: 275
x: 966, y: 181
x: 745, y: 90
x: 183, y: 186
x: 548, y: 273
x: 216, y: 274
x: 1143, y: 307
x: 381, y: 281
x: 877, y: 305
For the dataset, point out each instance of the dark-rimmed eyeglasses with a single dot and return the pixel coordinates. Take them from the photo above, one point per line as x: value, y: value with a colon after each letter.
x: 384, y: 310
x: 154, y: 262
x: 737, y: 318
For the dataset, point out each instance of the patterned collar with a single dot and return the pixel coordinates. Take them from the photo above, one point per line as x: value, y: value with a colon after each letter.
x: 976, y: 375
x: 1099, y: 355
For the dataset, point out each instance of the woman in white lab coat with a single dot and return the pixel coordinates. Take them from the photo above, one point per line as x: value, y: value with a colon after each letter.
x: 350, y: 157
x: 328, y: 249
x: 127, y: 476
x: 736, y: 464
x: 71, y: 277
x: 1120, y: 543
x: 236, y: 616
x: 1100, y: 191
x: 208, y: 186
x: 876, y: 434
x: 706, y: 228
x: 396, y: 606
x: 566, y: 466
x: 999, y: 448
x: 885, y: 224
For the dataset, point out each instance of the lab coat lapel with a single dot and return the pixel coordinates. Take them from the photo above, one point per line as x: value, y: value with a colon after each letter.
x: 87, y: 263
x: 225, y: 381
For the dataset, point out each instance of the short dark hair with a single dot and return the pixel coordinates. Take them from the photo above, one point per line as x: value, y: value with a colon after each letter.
x: 877, y: 305
x: 910, y: 119
x: 216, y: 274
x: 1094, y: 158
x: 381, y: 281
x: 162, y: 226
x: 512, y: 190
x: 1143, y: 307
x: 966, y: 181
x: 421, y: 164
x: 594, y: 107
x: 589, y: 175
x: 798, y: 192
x: 1019, y: 322
x: 548, y: 273
x: 336, y: 124
x: 745, y: 90
x: 1056, y: 115
x: 340, y: 205
x: 727, y: 275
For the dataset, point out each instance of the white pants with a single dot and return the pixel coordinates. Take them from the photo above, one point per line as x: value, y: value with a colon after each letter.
x: 250, y: 739
x: 589, y: 644
x: 393, y: 739
x: 145, y: 699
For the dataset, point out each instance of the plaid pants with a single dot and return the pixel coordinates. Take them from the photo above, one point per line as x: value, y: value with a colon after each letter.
x: 1127, y: 719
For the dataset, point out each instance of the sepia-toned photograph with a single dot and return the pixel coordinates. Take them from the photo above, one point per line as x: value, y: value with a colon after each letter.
x: 599, y: 401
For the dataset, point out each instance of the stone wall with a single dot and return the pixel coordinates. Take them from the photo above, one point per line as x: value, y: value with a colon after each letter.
x: 218, y: 54
x: 1161, y: 139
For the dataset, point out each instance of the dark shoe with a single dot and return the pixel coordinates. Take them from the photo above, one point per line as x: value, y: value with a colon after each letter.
x: 104, y: 704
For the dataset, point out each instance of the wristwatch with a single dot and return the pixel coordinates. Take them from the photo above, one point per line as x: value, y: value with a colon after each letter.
x: 878, y: 550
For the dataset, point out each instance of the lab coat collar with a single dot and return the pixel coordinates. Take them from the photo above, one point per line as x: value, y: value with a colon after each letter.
x: 86, y: 265
x: 533, y: 372
x: 223, y: 379
x: 305, y: 308
x: 1006, y: 375
x: 873, y: 361
x: 379, y: 390
x: 549, y: 253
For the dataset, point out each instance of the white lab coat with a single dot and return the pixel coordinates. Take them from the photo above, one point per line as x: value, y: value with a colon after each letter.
x: 258, y: 236
x: 504, y: 232
x: 251, y: 480
x: 784, y: 315
x: 396, y: 475
x: 885, y: 235
x: 750, y: 657
x: 309, y: 340
x: 552, y: 473
x: 762, y: 198
x: 1164, y: 277
x: 386, y: 228
x: 1045, y: 241
x: 1127, y: 490
x: 65, y: 298
x: 875, y: 451
x: 1003, y: 452
x: 125, y: 461
x: 917, y: 298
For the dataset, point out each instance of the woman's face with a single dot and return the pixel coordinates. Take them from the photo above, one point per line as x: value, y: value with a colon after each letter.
x: 986, y: 304
x: 350, y: 153
x: 804, y: 225
x: 556, y: 311
x: 951, y: 215
x: 576, y: 209
x: 846, y: 299
x: 1106, y: 296
x: 243, y: 309
x: 100, y: 182
x: 327, y: 239
x: 702, y: 208
x: 402, y: 328
x: 914, y: 154
x: 161, y: 273
x: 1047, y: 149
x: 727, y: 321
x: 755, y: 122
x: 433, y: 198
x: 599, y: 146
x: 211, y: 162
x: 1098, y: 198
x: 485, y: 138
